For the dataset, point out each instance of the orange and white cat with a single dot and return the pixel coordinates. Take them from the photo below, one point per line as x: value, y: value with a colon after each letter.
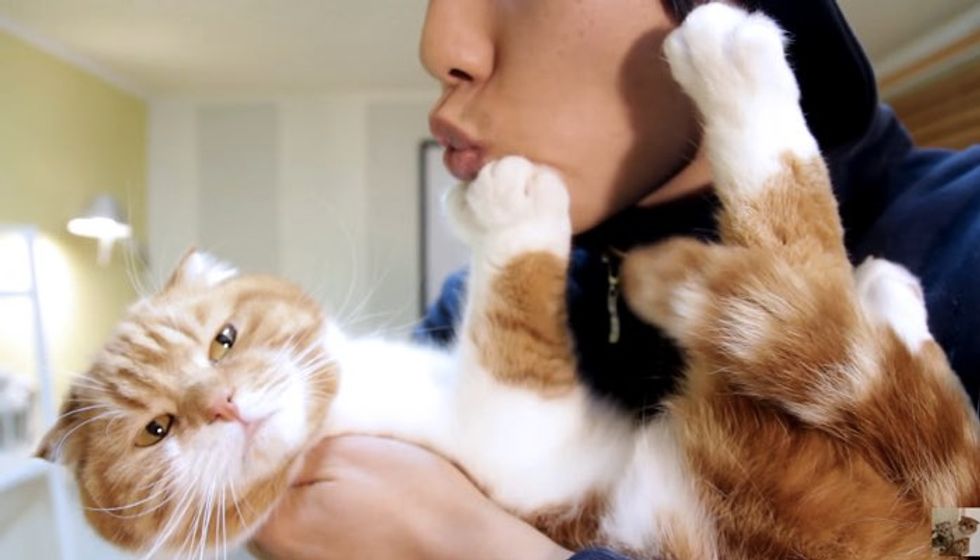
x: 818, y: 417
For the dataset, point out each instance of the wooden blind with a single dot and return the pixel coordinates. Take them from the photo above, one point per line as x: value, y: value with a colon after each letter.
x: 944, y: 112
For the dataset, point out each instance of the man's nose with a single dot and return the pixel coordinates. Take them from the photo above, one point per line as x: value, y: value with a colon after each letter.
x: 457, y: 40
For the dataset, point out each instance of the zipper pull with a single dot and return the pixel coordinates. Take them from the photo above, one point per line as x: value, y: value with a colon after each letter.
x: 612, y: 299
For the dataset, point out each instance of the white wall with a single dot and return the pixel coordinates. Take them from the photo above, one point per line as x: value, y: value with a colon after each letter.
x: 320, y: 189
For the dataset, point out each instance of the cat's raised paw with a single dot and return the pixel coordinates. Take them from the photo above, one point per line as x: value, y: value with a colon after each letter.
x: 513, y: 206
x: 732, y: 63
x: 729, y: 60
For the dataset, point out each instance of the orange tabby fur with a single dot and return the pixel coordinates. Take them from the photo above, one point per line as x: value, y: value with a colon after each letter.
x: 812, y: 430
x: 824, y: 437
x: 523, y: 334
x: 808, y: 426
x: 123, y: 488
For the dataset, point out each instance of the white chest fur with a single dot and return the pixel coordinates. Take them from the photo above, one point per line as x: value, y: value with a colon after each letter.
x: 527, y: 451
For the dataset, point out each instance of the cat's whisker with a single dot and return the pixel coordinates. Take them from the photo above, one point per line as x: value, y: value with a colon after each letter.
x: 131, y: 253
x: 190, y: 540
x: 187, y: 513
x: 194, y: 533
x: 109, y: 510
x: 316, y: 364
x: 113, y: 417
x: 217, y: 511
x: 271, y: 381
x: 176, y: 518
x: 274, y: 391
x: 352, y: 282
x: 212, y: 503
x: 357, y: 310
x: 312, y: 372
x: 300, y: 355
x: 142, y: 513
x: 393, y: 330
x: 234, y: 502
x: 209, y: 512
x: 361, y: 318
x: 221, y: 525
x: 133, y: 271
x: 92, y: 385
x: 83, y: 409
x: 307, y: 362
x: 87, y: 379
x: 61, y: 442
x: 285, y: 348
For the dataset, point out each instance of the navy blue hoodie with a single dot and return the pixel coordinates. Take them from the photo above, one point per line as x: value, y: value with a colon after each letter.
x: 917, y: 207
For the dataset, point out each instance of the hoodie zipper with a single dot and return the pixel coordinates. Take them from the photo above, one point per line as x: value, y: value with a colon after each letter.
x: 612, y: 297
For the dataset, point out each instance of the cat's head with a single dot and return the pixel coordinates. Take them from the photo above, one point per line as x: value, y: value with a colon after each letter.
x: 968, y: 525
x: 189, y: 424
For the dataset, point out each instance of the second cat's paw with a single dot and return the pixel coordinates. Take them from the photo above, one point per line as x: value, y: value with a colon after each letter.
x: 732, y: 63
x: 513, y: 206
x: 892, y: 295
x: 729, y: 61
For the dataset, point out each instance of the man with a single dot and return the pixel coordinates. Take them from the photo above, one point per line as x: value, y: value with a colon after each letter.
x: 582, y: 86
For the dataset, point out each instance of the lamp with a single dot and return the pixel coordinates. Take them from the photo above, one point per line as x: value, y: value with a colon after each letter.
x: 103, y: 221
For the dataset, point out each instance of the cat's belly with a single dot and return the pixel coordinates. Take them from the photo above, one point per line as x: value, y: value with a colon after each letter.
x: 531, y: 452
x: 526, y: 451
x: 393, y: 389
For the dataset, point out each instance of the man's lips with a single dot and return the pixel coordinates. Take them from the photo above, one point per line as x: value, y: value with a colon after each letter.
x: 463, y: 157
x: 463, y: 164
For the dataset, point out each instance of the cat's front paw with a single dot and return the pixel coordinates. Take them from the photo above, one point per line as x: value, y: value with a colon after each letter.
x: 729, y: 60
x: 513, y: 207
x: 732, y: 63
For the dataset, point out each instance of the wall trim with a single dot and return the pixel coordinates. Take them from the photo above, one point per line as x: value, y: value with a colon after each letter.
x: 63, y: 53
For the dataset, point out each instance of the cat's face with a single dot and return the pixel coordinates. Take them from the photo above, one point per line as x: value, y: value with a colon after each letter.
x: 187, y: 427
x: 968, y: 525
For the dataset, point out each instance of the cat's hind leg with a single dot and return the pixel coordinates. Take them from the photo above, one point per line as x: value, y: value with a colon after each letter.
x: 918, y: 421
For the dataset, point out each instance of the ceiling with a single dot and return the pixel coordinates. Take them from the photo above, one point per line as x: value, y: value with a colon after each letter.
x: 175, y: 46
x: 234, y: 46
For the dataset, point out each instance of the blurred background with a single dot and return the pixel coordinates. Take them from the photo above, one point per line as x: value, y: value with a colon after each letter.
x: 287, y: 137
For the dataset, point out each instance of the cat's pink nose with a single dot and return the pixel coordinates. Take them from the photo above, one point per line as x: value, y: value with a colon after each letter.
x: 223, y: 408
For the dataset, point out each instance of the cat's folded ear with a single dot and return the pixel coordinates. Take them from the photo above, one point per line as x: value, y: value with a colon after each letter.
x: 48, y: 449
x: 197, y: 269
x: 56, y: 445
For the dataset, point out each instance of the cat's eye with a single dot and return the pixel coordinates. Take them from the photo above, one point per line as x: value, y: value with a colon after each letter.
x: 155, y: 431
x: 222, y: 342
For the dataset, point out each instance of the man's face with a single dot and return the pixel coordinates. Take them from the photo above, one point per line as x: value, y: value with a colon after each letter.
x: 580, y: 85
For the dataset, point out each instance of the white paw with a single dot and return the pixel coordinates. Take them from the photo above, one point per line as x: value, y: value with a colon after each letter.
x: 513, y: 206
x: 726, y: 59
x: 733, y: 65
x: 892, y: 295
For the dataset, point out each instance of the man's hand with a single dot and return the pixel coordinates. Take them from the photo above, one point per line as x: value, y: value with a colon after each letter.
x: 374, y: 498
